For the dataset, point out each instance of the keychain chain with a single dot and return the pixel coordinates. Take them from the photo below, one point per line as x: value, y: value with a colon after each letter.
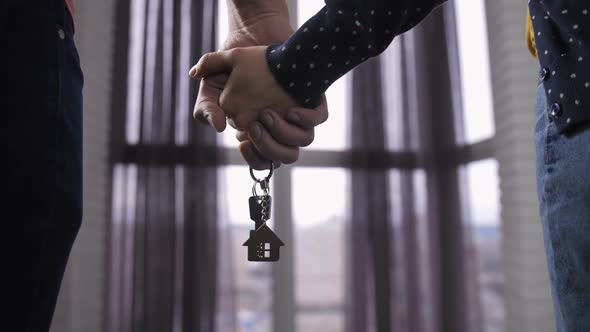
x: 264, y: 204
x: 263, y: 244
x: 263, y: 199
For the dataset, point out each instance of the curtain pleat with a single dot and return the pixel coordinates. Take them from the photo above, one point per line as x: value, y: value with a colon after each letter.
x: 164, y: 258
x: 444, y: 295
x: 169, y: 267
x: 370, y: 232
x: 426, y: 283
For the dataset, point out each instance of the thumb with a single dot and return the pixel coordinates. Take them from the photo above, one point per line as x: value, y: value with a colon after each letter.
x: 212, y: 63
x: 207, y: 109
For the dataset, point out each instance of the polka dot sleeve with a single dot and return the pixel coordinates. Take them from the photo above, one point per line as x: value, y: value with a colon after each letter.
x: 338, y: 38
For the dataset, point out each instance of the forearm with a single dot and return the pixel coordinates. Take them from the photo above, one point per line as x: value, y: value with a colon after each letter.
x: 246, y: 13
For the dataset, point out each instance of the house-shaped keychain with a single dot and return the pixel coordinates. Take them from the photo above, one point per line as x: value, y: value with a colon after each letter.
x: 263, y: 245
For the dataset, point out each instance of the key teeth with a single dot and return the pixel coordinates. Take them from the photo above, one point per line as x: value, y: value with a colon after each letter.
x: 260, y: 208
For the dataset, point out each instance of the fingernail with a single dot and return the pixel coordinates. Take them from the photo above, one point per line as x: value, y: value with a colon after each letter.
x: 209, y: 118
x: 267, y: 120
x: 293, y: 117
x: 232, y: 123
x: 255, y: 132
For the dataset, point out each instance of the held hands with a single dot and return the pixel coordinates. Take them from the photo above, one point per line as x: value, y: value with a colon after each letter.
x: 269, y: 128
x: 280, y: 138
x: 250, y: 88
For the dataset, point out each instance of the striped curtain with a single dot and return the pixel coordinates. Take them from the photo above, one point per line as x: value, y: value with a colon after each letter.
x: 166, y: 262
x: 409, y: 268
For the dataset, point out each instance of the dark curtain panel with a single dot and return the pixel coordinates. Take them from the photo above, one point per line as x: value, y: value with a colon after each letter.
x: 427, y: 57
x: 369, y: 232
x: 163, y: 260
x: 434, y: 291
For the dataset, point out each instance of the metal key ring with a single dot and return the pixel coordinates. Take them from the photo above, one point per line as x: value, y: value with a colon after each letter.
x: 267, y: 177
x: 259, y: 182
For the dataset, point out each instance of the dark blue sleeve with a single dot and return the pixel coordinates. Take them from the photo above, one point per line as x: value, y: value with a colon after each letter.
x: 338, y: 38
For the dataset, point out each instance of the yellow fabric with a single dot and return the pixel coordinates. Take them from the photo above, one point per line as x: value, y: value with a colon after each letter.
x: 530, y: 36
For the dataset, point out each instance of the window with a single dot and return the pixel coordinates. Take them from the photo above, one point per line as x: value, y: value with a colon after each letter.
x: 481, y: 182
x: 310, y: 198
x: 482, y: 188
x: 319, y: 210
x: 478, y: 116
x: 266, y: 250
x: 316, y: 195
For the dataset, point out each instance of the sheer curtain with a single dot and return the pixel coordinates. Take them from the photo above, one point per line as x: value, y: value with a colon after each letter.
x: 409, y: 267
x: 165, y: 269
x: 169, y: 267
x: 370, y: 232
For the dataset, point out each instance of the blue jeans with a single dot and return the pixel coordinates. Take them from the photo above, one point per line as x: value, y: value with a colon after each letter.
x: 41, y: 146
x: 563, y: 187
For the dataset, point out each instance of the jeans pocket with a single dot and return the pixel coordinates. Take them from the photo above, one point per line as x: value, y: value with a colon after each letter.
x: 540, y: 137
x: 541, y: 116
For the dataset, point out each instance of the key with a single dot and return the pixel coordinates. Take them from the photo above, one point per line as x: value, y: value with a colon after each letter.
x: 257, y: 204
x: 263, y: 244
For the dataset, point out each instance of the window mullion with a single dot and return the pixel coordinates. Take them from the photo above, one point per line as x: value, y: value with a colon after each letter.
x: 283, y: 289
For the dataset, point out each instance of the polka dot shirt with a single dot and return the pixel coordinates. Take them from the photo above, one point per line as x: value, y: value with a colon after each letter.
x: 562, y: 38
x: 338, y: 38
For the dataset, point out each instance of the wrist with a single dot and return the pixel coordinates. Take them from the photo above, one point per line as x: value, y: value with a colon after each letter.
x: 263, y: 31
x: 244, y: 14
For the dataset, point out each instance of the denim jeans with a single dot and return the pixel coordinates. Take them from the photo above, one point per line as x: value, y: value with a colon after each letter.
x: 41, y: 143
x: 563, y: 187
